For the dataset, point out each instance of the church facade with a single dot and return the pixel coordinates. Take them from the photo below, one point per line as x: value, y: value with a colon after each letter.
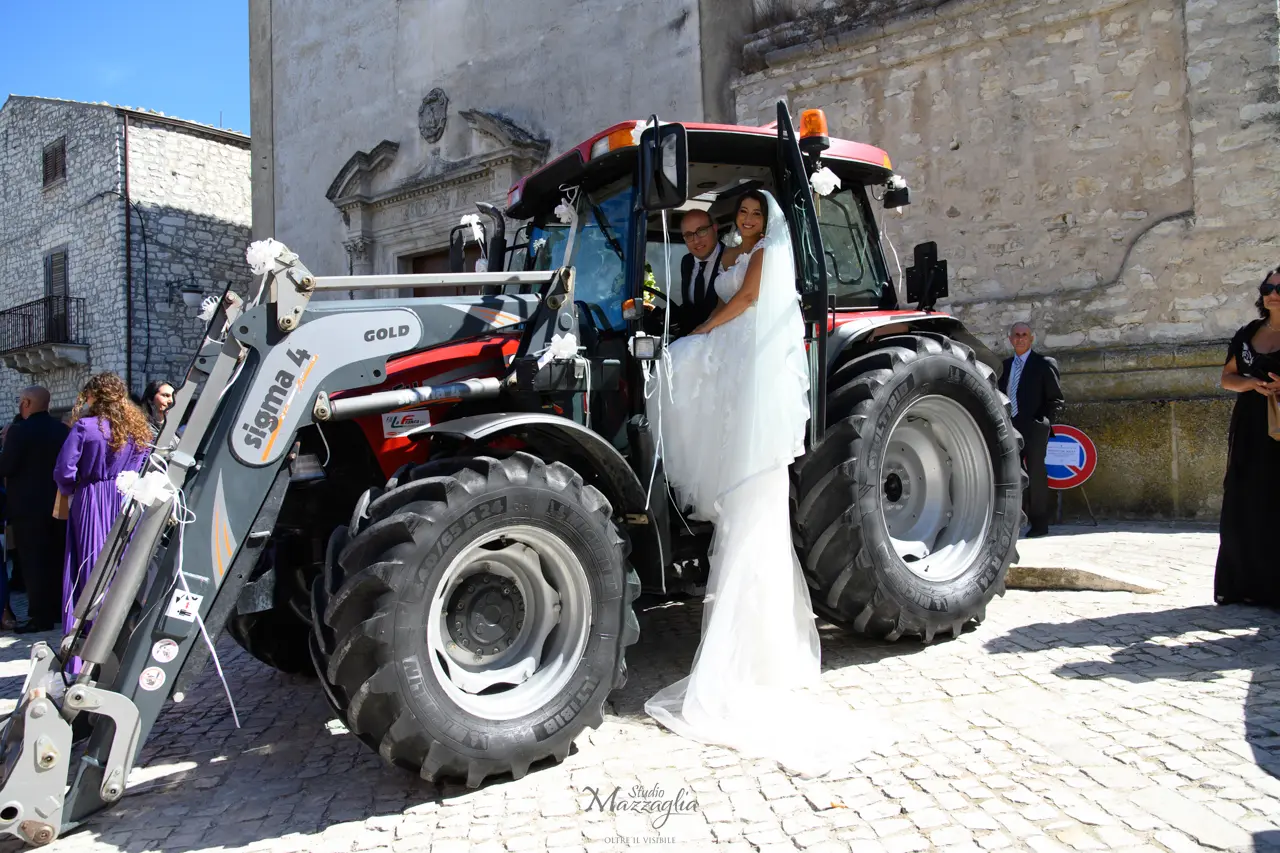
x: 382, y: 123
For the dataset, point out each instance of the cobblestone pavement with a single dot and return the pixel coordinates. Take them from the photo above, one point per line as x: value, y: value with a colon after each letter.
x: 1083, y: 721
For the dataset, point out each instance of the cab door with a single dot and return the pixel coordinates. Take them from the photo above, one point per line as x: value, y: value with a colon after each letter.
x: 796, y: 199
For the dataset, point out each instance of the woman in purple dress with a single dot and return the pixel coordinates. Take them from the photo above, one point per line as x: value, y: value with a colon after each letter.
x: 110, y: 434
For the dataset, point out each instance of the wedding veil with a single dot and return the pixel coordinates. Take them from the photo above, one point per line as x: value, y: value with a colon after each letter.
x: 768, y: 426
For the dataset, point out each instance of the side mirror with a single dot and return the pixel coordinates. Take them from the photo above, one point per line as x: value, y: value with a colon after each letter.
x: 927, y: 280
x: 900, y: 197
x: 664, y: 166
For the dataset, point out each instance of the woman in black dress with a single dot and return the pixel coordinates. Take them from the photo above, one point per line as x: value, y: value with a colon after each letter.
x: 1248, y: 557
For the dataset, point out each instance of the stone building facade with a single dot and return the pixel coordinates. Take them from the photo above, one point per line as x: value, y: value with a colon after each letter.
x: 1107, y: 170
x: 366, y: 155
x: 85, y: 287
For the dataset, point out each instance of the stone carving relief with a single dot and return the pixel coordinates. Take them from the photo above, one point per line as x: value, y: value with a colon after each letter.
x: 433, y: 115
x: 393, y: 210
x: 358, y: 248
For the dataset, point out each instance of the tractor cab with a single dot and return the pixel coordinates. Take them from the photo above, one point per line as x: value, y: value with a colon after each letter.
x: 610, y: 208
x: 622, y: 235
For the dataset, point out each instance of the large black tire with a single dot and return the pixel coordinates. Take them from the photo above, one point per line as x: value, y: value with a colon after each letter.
x: 279, y: 637
x: 407, y: 546
x: 845, y: 501
x: 274, y: 637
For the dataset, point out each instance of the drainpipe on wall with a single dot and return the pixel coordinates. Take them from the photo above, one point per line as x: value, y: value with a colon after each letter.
x: 128, y: 265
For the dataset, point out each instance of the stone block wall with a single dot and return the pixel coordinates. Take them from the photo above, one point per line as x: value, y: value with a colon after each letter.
x: 1108, y: 171
x: 190, y: 226
x: 189, y: 187
x: 83, y: 214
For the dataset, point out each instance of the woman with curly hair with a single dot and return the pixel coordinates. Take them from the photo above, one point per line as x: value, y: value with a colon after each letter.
x: 110, y: 434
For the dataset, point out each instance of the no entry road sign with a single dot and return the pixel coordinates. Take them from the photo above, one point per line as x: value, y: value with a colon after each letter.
x: 1070, y: 458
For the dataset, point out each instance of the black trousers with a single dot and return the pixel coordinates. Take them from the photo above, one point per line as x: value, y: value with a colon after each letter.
x: 1035, y: 443
x: 42, y: 542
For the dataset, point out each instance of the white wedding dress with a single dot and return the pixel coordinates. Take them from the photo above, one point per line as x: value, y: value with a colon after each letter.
x: 730, y: 408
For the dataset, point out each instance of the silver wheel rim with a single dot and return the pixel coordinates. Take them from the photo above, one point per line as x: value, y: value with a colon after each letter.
x: 937, y: 488
x: 509, y: 622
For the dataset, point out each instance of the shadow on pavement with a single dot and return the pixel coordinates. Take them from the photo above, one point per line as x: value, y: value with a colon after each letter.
x: 286, y: 775
x: 669, y: 634
x: 1081, y: 528
x: 289, y: 773
x: 1150, y: 648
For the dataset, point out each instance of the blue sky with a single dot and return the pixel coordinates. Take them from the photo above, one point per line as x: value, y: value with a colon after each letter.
x: 188, y: 59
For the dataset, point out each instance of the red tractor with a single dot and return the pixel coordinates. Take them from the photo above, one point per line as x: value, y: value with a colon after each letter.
x: 906, y: 508
x: 447, y: 515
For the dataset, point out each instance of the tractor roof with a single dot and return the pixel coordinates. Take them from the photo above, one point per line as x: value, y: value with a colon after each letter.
x: 609, y: 154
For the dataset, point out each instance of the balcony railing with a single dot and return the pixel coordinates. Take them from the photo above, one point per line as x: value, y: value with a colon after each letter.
x: 44, y: 334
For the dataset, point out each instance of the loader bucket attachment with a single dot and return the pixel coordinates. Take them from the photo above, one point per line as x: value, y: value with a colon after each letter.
x: 179, y: 553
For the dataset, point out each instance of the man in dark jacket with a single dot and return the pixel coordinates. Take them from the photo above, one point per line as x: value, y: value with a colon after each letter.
x: 1031, y: 382
x: 31, y: 449
x: 698, y: 270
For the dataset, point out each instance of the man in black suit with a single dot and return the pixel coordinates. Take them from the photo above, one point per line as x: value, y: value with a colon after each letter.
x: 1031, y: 382
x: 698, y: 270
x: 31, y: 449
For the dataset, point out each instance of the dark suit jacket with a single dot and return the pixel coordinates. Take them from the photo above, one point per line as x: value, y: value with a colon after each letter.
x: 1039, y: 390
x: 693, y: 312
x: 31, y: 449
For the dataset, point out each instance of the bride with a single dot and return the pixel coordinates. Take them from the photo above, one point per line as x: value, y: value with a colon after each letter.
x: 730, y: 409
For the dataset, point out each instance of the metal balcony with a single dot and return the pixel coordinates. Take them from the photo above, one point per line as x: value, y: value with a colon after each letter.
x: 44, y: 335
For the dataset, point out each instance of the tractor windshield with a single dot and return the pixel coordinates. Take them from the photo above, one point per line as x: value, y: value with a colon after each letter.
x: 856, y: 273
x: 600, y: 255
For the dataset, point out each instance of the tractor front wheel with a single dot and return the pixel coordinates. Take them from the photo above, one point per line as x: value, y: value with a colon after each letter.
x: 473, y: 618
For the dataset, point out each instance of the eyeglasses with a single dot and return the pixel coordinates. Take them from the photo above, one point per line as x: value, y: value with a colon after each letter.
x: 690, y: 236
x: 1267, y: 288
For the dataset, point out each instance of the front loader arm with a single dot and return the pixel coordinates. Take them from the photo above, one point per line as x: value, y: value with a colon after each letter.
x: 190, y: 532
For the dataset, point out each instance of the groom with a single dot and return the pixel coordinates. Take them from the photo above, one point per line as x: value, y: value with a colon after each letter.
x: 698, y: 270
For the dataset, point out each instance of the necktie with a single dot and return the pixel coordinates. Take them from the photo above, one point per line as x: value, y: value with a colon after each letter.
x: 700, y: 283
x: 1015, y: 373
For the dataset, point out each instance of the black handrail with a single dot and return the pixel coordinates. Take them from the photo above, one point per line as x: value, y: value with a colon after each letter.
x: 51, y: 320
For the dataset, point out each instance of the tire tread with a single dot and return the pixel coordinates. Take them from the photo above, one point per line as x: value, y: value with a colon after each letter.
x: 357, y: 592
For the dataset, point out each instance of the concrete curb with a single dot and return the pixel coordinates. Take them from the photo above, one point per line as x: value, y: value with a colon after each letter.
x: 1077, y: 578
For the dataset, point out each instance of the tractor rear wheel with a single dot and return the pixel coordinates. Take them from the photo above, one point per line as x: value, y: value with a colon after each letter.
x: 907, y: 513
x: 474, y: 616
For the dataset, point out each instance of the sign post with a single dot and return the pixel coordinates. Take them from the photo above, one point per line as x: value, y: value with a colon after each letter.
x: 1070, y: 460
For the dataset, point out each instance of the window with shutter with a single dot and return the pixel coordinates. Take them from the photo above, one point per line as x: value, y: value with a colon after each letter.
x: 55, y: 161
x: 56, y: 320
x: 55, y: 273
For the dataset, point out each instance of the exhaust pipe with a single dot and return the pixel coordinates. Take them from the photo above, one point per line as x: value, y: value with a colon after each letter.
x: 388, y: 401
